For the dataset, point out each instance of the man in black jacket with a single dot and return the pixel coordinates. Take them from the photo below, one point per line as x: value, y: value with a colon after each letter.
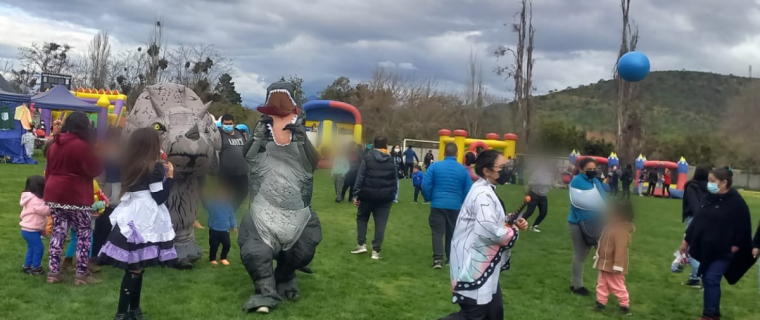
x: 375, y: 188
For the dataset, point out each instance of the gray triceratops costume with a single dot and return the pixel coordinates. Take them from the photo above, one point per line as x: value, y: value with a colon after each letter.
x: 190, y: 139
x: 280, y: 225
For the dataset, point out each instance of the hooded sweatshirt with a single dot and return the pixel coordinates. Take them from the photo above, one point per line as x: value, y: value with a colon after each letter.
x: 377, y: 178
x: 71, y: 167
x: 34, y: 213
x: 723, y: 221
x: 612, y: 251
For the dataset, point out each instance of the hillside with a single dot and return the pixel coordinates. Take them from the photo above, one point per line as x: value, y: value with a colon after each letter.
x: 675, y: 102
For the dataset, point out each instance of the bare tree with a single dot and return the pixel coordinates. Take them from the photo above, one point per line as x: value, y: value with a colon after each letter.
x: 157, y: 51
x: 521, y: 71
x: 198, y: 66
x: 474, y: 96
x: 99, y: 55
x: 628, y: 112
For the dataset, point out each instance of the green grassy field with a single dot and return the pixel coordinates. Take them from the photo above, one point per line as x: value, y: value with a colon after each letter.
x: 401, y: 286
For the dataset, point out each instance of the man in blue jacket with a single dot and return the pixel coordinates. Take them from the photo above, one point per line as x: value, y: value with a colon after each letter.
x: 410, y: 161
x: 445, y: 185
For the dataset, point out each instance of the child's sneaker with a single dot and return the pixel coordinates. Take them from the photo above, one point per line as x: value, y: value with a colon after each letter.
x: 37, y: 271
x: 225, y: 262
x: 136, y: 314
x: 696, y: 284
x: 535, y: 229
x: 214, y: 262
x: 26, y: 269
x: 360, y: 249
x: 437, y: 264
x: 625, y: 311
x: 376, y: 255
x: 600, y: 306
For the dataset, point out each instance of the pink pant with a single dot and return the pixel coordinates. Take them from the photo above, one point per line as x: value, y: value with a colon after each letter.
x: 614, y: 282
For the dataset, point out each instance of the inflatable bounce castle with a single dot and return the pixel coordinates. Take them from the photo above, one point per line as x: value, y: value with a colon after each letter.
x: 331, y: 125
x: 464, y: 144
x: 679, y: 179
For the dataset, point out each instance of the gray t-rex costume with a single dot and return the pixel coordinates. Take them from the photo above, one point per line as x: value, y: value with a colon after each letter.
x: 280, y: 226
x: 191, y: 141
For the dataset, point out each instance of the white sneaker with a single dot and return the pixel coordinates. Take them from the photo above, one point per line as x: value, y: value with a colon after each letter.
x: 535, y: 229
x: 360, y: 249
x: 376, y: 255
x: 263, y: 310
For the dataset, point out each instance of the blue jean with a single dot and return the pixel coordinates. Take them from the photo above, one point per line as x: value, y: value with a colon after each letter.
x: 692, y: 262
x: 73, y: 245
x: 398, y: 187
x: 711, y: 282
x: 34, y: 248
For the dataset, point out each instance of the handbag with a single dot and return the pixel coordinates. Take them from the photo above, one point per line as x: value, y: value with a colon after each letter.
x: 591, y: 230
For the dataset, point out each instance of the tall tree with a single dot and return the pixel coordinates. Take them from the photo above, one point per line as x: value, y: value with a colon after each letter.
x: 521, y: 71
x: 50, y: 57
x: 198, y: 66
x: 99, y: 54
x: 225, y: 90
x: 339, y: 90
x: 475, y: 96
x: 134, y: 70
x: 628, y: 109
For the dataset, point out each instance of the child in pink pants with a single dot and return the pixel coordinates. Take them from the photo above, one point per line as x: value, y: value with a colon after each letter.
x: 611, y: 257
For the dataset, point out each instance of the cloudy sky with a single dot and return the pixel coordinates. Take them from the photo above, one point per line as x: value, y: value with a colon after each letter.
x: 319, y: 40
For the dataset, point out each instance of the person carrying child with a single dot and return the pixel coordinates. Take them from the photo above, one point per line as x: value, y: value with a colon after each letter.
x: 33, y: 220
x: 417, y: 177
x: 221, y: 218
x: 611, y: 257
x: 142, y: 234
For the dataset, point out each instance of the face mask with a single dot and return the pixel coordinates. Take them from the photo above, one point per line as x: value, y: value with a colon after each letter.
x: 397, y: 149
x: 712, y: 187
x: 591, y: 174
x: 227, y: 128
x: 503, y: 176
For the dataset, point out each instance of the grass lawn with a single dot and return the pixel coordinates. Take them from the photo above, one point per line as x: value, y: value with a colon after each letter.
x: 401, y: 286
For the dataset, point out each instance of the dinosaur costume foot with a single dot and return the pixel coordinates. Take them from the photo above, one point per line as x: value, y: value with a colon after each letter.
x: 187, y: 254
x: 288, y: 290
x: 259, y: 304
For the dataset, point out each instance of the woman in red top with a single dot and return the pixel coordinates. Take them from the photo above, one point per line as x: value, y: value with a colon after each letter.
x: 71, y: 167
x: 666, y: 182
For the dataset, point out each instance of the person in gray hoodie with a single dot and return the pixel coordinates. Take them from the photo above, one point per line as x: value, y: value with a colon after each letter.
x: 539, y: 184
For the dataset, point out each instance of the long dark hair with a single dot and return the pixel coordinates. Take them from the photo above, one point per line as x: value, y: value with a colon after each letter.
x: 140, y: 157
x: 486, y: 159
x: 35, y: 185
x: 701, y: 173
x: 78, y: 124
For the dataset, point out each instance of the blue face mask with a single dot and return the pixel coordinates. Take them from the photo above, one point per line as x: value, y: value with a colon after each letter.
x: 712, y: 187
x: 227, y: 128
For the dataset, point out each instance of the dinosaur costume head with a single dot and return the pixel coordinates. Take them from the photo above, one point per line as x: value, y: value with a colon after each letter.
x: 280, y: 100
x: 188, y: 135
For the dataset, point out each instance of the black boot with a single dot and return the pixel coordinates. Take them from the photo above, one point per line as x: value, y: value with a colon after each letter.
x: 122, y: 316
x: 136, y: 314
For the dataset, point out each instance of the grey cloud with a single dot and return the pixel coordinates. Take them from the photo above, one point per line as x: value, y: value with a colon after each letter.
x: 352, y: 37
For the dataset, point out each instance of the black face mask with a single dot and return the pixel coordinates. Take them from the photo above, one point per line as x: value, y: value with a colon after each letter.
x: 503, y: 176
x: 591, y: 174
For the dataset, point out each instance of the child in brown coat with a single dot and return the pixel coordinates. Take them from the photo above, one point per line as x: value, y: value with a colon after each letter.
x: 611, y: 257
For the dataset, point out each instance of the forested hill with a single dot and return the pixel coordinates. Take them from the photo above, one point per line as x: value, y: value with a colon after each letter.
x: 675, y: 102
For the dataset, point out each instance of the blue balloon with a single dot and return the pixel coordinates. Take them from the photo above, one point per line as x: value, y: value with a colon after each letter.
x: 633, y: 66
